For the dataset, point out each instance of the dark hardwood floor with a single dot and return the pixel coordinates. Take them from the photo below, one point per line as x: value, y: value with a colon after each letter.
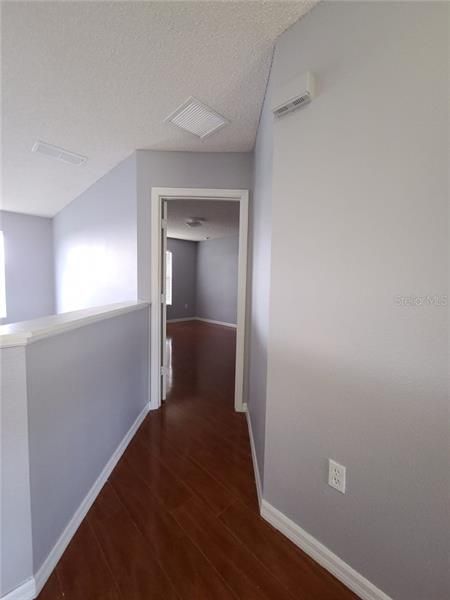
x: 178, y: 518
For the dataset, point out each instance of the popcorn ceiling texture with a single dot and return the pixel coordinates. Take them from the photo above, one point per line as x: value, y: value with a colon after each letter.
x: 99, y: 78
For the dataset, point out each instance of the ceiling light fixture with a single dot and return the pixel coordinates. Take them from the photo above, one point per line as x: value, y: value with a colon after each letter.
x: 197, y: 118
x: 58, y: 153
x: 195, y: 221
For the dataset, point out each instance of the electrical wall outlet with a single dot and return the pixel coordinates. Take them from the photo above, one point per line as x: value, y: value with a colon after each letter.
x: 336, y: 476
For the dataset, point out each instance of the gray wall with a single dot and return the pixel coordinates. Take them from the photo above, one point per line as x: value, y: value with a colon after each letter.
x: 181, y: 169
x: 16, y: 558
x: 184, y: 276
x: 217, y: 279
x: 96, y: 243
x: 259, y: 259
x: 205, y: 279
x: 29, y: 266
x: 86, y: 388
x: 360, y: 193
x: 103, y: 237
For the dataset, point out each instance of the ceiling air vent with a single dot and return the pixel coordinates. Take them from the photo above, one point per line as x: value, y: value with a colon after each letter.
x: 197, y: 118
x: 58, y: 153
x: 293, y: 94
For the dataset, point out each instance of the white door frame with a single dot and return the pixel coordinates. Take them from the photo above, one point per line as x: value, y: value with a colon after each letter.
x: 157, y: 195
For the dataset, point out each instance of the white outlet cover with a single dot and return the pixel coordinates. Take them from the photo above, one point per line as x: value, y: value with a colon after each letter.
x: 336, y: 476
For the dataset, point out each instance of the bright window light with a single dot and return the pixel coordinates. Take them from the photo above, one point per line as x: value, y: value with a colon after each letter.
x: 2, y: 278
x: 89, y: 276
x: 168, y: 278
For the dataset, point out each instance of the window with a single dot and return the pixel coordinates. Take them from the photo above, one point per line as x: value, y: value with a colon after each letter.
x: 168, y: 278
x: 2, y: 278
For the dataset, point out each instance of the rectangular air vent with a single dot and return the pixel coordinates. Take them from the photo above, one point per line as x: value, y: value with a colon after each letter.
x: 293, y: 105
x: 293, y: 94
x: 58, y: 153
x: 197, y: 118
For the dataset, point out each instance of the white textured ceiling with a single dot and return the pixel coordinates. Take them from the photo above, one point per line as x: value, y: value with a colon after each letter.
x: 98, y: 79
x: 221, y: 219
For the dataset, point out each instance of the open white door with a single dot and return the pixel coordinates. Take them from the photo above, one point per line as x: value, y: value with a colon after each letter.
x: 164, y: 357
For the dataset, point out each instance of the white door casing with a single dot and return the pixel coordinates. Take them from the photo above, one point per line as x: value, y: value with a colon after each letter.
x: 157, y: 330
x: 163, y: 354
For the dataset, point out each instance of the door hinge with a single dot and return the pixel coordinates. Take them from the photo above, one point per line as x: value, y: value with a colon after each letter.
x: 163, y: 371
x: 163, y: 298
x: 164, y: 224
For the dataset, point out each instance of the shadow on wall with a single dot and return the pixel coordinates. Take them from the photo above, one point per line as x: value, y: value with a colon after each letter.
x: 184, y: 276
x: 29, y: 269
x: 332, y: 399
x: 205, y: 279
x: 257, y: 391
x: 217, y: 279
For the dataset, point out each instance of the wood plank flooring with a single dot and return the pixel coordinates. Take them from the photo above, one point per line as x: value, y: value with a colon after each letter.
x: 178, y: 518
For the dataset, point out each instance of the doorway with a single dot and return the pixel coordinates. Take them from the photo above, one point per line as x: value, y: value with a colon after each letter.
x: 159, y: 367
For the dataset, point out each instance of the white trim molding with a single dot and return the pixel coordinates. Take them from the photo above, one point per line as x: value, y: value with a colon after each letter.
x: 181, y: 320
x: 25, y: 591
x: 50, y: 562
x: 254, y: 459
x: 223, y: 323
x: 26, y: 332
x: 157, y: 196
x: 321, y: 554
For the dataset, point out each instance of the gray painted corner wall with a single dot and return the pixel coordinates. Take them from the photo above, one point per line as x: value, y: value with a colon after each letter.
x: 184, y: 276
x: 204, y: 279
x: 259, y: 286
x: 217, y: 279
x: 226, y: 170
x: 29, y: 269
x: 86, y: 388
x: 360, y: 219
x: 95, y: 239
x: 16, y: 557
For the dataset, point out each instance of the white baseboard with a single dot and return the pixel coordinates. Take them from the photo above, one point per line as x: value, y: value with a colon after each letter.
x: 50, y: 562
x: 204, y: 320
x: 25, y: 591
x: 254, y: 459
x: 321, y: 554
x: 216, y: 322
x: 181, y: 320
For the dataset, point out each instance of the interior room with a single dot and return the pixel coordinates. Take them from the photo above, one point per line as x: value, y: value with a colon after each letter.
x: 204, y: 271
x: 224, y: 300
x: 202, y: 259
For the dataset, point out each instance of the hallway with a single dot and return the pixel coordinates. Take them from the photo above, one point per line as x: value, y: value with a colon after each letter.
x: 178, y: 518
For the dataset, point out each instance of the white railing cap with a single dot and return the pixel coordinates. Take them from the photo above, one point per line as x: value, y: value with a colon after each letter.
x: 24, y: 332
